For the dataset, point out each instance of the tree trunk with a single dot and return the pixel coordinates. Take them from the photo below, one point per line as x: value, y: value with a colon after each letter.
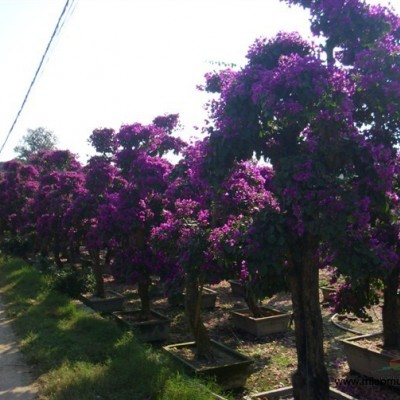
x: 329, y: 47
x: 98, y: 274
x: 251, y: 302
x: 56, y: 252
x: 107, y: 259
x: 310, y: 381
x: 73, y: 254
x: 43, y: 246
x: 64, y: 252
x: 391, y: 339
x: 192, y: 308
x: 143, y: 291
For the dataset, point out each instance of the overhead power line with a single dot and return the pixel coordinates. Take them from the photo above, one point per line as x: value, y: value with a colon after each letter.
x: 57, y: 29
x: 65, y: 18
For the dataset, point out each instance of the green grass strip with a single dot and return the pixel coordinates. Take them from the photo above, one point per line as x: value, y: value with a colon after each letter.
x: 79, y: 355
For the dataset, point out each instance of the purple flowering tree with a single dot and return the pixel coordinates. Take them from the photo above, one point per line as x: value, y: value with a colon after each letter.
x: 299, y: 109
x: 18, y: 186
x: 183, y: 239
x: 366, y: 40
x: 204, y: 229
x: 373, y: 54
x: 102, y: 181
x: 368, y: 254
x: 252, y: 253
x: 61, y: 181
x: 137, y: 206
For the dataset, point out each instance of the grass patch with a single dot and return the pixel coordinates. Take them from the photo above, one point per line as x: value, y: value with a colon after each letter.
x: 181, y: 388
x: 78, y: 355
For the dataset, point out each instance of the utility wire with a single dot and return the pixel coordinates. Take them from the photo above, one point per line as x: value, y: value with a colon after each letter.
x: 67, y: 16
x: 54, y: 34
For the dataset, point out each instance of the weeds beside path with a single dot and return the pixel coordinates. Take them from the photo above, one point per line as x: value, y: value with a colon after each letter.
x: 79, y: 355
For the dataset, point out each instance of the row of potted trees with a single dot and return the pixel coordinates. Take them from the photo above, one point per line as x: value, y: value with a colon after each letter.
x: 133, y: 212
x: 325, y: 118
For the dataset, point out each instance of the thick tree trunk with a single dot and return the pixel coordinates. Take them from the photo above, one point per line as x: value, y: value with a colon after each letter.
x: 44, y: 252
x: 107, y: 259
x: 56, y: 253
x: 143, y: 291
x: 391, y: 333
x: 252, y: 303
x: 73, y: 254
x: 64, y: 252
x: 329, y: 47
x: 98, y: 274
x: 310, y: 381
x: 192, y: 308
x: 43, y: 246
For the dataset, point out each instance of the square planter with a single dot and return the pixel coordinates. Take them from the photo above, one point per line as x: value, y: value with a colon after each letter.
x: 381, y: 364
x: 154, y: 330
x: 287, y: 393
x: 237, y: 288
x: 112, y: 302
x: 156, y: 288
x: 327, y: 293
x: 208, y: 299
x: 276, y: 322
x: 230, y: 375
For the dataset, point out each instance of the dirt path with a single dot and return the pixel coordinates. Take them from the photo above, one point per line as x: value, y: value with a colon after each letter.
x: 16, y: 382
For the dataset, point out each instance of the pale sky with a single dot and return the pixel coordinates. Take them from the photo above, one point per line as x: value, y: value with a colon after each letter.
x: 122, y: 61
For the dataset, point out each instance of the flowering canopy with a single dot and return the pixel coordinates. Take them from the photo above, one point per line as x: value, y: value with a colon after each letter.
x: 61, y: 181
x: 318, y: 115
x: 137, y: 206
x: 17, y: 188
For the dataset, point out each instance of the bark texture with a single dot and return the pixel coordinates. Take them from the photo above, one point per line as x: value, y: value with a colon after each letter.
x: 192, y: 308
x: 310, y: 381
x: 143, y: 291
x: 252, y: 303
x: 391, y: 339
x: 98, y: 275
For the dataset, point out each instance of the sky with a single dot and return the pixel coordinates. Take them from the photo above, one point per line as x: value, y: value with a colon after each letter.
x: 118, y: 62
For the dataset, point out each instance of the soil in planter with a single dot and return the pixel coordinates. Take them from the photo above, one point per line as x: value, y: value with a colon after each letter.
x: 109, y: 295
x: 208, y: 299
x: 136, y: 318
x: 376, y: 344
x: 154, y: 329
x: 112, y: 302
x: 220, y: 357
x: 264, y: 312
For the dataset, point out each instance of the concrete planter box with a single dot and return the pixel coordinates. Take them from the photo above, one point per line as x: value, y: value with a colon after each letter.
x: 228, y: 376
x: 381, y: 365
x: 112, y: 302
x: 327, y: 293
x: 208, y: 299
x: 156, y: 288
x: 154, y: 330
x: 287, y: 393
x: 237, y: 288
x: 277, y: 322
